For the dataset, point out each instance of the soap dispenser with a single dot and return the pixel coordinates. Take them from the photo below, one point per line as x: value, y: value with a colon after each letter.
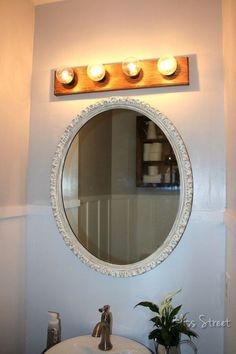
x: 54, y: 330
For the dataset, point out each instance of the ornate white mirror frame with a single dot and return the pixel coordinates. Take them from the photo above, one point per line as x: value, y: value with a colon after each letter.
x: 186, y: 188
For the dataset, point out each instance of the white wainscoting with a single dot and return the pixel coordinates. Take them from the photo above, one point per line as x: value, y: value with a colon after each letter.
x: 113, y: 223
x: 230, y: 286
x: 13, y: 278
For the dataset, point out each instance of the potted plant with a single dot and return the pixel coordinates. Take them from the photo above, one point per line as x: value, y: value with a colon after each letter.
x: 168, y: 326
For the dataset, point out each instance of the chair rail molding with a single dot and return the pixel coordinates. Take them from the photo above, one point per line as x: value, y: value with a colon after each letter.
x: 12, y: 211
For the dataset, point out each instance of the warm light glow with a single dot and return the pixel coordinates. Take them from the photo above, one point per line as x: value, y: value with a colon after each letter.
x: 131, y: 67
x: 65, y: 75
x: 167, y: 65
x: 96, y: 72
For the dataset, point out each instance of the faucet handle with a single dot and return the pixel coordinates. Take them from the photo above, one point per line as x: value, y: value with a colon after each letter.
x: 106, y: 316
x: 105, y: 308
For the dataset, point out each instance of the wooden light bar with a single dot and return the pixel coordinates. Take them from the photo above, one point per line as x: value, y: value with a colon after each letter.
x: 115, y: 79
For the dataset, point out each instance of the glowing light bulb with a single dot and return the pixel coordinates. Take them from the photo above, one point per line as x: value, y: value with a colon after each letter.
x: 167, y: 65
x: 65, y: 75
x: 96, y: 72
x: 131, y: 67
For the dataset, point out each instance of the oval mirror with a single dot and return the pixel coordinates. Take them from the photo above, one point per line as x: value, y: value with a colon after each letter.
x: 121, y: 187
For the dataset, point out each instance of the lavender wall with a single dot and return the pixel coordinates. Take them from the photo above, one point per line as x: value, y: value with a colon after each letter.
x: 229, y: 17
x: 81, y: 32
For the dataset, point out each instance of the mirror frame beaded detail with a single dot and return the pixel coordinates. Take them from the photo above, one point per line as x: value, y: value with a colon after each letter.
x: 186, y: 187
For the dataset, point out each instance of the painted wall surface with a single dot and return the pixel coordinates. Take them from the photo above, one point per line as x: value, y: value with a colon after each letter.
x: 229, y: 7
x: 79, y: 33
x: 16, y: 23
x: 16, y: 26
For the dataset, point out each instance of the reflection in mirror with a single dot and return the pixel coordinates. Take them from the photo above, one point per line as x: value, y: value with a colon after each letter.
x: 120, y: 186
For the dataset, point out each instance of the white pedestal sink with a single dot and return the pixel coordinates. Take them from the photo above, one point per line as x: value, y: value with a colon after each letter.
x: 89, y: 345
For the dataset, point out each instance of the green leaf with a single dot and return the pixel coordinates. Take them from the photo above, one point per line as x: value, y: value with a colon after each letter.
x: 154, y: 334
x: 148, y: 304
x: 190, y: 333
x: 156, y: 320
x: 174, y: 312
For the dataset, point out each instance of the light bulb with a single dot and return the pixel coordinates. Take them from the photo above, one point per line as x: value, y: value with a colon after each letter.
x: 167, y: 65
x: 96, y: 72
x: 65, y: 75
x: 131, y: 67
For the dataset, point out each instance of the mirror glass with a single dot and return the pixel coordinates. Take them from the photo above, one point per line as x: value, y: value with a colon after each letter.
x: 120, y: 186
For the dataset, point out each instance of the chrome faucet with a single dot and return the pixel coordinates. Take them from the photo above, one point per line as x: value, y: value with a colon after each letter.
x: 103, y: 328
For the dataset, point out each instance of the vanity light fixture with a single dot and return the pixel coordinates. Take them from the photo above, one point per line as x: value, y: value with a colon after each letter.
x: 167, y: 65
x: 65, y: 75
x: 129, y: 74
x: 96, y: 72
x: 131, y: 67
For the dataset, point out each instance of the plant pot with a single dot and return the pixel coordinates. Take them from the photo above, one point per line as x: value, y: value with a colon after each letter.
x: 161, y: 349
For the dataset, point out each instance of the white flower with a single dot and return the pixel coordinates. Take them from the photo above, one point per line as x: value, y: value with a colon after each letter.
x: 165, y: 306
